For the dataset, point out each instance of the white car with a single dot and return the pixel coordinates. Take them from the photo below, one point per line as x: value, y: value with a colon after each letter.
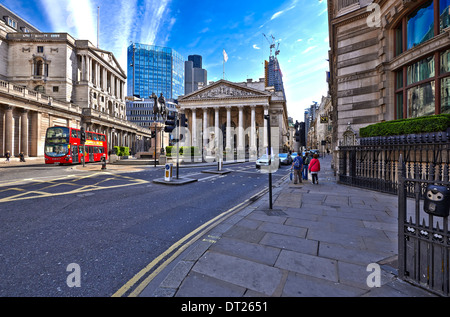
x: 263, y: 161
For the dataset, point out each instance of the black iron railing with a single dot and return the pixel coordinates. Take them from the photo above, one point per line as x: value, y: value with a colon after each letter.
x: 373, y: 164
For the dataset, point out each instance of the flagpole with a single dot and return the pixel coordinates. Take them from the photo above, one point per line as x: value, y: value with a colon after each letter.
x: 223, y: 62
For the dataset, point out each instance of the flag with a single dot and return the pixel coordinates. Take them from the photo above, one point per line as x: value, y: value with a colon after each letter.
x: 225, y: 56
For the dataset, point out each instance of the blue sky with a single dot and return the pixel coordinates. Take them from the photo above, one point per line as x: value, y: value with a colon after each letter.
x: 205, y: 27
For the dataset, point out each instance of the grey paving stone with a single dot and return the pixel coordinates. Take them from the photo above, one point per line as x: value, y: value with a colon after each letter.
x: 344, y: 239
x: 199, y: 285
x: 283, y: 229
x: 303, y: 223
x: 245, y: 234
x: 352, y: 255
x: 245, y: 250
x: 299, y: 285
x: 308, y: 264
x: 286, y: 242
x: 356, y: 275
x: 178, y: 273
x: 244, y: 273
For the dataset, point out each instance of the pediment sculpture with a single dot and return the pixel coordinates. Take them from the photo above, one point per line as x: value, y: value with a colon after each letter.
x: 223, y: 91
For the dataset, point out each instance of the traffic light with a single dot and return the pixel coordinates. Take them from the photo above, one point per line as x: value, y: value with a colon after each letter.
x: 170, y: 124
x: 183, y: 121
x: 83, y: 136
x: 153, y: 134
x: 302, y: 134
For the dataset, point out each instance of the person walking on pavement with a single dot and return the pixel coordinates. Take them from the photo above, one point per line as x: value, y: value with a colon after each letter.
x: 314, y: 168
x: 297, y: 165
x: 7, y: 155
x: 306, y: 160
x: 22, y: 157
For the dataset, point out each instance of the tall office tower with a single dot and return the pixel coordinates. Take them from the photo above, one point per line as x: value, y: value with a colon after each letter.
x: 194, y: 74
x: 154, y: 69
x: 274, y: 77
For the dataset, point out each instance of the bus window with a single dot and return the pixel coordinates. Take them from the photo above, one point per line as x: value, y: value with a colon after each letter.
x: 56, y: 150
x: 74, y: 133
x: 57, y: 132
x: 89, y: 136
x: 95, y: 136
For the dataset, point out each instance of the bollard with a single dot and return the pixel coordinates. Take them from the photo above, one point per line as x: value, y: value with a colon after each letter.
x: 103, y: 163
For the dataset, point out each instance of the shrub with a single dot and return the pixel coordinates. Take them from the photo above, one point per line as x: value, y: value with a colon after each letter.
x: 425, y: 124
x: 122, y: 150
x: 193, y: 150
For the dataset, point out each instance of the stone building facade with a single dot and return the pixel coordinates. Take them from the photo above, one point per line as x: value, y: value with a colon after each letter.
x: 50, y: 79
x: 389, y: 59
x: 230, y: 116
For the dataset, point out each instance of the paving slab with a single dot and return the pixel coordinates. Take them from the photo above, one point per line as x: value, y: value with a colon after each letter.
x: 308, y: 264
x: 300, y: 285
x: 286, y: 242
x: 244, y: 273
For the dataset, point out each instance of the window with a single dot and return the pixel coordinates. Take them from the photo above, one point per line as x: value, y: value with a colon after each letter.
x: 422, y: 87
x: 40, y: 49
x: 12, y: 23
x: 444, y: 14
x: 421, y: 70
x: 420, y: 25
x: 55, y: 89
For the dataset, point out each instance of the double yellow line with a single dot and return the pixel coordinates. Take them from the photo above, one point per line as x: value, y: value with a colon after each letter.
x: 177, y: 248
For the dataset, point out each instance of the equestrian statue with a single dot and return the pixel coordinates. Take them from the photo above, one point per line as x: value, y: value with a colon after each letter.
x: 159, y: 105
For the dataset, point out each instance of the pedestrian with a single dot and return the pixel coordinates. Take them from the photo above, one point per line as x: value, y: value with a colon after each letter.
x: 306, y: 160
x: 7, y: 155
x: 22, y: 157
x: 314, y: 168
x: 297, y: 166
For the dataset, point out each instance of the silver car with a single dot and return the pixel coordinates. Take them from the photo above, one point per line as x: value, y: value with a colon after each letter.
x: 263, y: 161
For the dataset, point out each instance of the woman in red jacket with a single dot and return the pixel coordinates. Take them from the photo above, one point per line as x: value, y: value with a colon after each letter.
x: 314, y: 168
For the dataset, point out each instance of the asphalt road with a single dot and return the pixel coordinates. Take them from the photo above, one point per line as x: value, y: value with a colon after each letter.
x: 70, y: 233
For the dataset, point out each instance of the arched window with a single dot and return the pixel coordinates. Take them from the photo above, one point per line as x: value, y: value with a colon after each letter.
x: 40, y: 89
x: 39, y: 68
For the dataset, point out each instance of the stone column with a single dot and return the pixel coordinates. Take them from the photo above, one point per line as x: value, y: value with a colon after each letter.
x: 253, y: 133
x: 229, y: 134
x: 9, y: 133
x: 205, y: 126
x: 216, y: 130
x: 194, y: 127
x: 35, y: 136
x: 24, y: 132
x: 241, y: 140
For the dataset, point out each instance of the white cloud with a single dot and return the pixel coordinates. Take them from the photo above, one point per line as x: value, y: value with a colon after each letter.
x: 276, y: 15
x: 256, y: 47
x: 154, y: 13
x: 76, y: 17
x: 309, y: 49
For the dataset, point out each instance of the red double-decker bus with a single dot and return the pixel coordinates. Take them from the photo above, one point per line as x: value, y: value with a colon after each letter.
x: 63, y: 146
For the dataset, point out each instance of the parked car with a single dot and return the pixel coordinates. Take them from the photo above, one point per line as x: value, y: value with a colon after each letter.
x: 314, y: 151
x: 293, y: 155
x: 285, y: 159
x: 263, y: 161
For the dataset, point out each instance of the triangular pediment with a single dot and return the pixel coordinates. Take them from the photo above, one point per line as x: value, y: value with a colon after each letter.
x: 223, y: 90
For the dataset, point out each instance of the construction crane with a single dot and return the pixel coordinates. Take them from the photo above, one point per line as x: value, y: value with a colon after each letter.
x: 272, y: 45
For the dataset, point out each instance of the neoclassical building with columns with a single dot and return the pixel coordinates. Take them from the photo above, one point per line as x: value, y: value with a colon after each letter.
x: 230, y: 117
x: 52, y: 79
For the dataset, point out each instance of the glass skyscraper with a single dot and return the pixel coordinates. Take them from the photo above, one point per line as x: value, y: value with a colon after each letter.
x: 154, y: 69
